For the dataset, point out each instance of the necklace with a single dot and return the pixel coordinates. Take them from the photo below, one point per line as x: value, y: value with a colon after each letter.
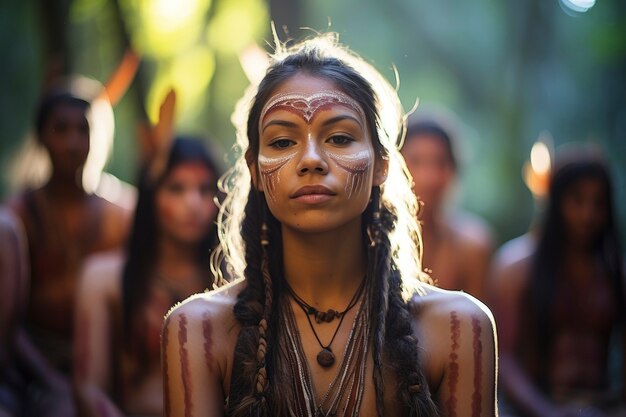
x: 345, y: 393
x: 325, y: 357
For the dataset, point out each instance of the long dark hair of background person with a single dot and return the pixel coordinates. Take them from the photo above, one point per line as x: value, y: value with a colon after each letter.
x: 143, y: 239
x: 548, y: 257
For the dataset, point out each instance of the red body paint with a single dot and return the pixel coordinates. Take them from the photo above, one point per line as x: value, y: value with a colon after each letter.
x: 478, y: 364
x: 207, y: 330
x: 453, y: 379
x: 166, y: 379
x: 184, y: 363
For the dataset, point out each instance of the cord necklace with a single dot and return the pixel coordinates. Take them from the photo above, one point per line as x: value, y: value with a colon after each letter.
x: 325, y: 357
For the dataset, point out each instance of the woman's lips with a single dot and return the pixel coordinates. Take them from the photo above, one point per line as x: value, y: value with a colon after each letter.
x: 312, y: 194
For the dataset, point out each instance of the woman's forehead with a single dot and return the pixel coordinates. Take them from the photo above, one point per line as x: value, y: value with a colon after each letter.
x: 306, y: 95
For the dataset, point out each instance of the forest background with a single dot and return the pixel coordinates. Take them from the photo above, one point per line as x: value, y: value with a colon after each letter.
x: 513, y: 73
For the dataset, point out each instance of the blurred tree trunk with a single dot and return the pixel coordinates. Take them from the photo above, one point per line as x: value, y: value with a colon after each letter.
x: 54, y: 18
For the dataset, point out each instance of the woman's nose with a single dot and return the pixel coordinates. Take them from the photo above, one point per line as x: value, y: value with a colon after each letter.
x: 313, y: 160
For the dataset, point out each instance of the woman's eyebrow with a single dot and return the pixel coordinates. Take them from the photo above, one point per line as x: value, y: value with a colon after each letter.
x: 278, y: 122
x: 339, y: 118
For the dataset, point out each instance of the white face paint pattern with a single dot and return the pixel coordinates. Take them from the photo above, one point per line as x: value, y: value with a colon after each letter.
x: 356, y: 165
x: 307, y: 106
x: 269, y: 168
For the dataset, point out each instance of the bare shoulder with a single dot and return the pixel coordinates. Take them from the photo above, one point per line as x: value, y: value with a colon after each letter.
x: 212, y: 307
x: 102, y: 273
x: 511, y: 264
x: 450, y: 324
x: 472, y: 231
x: 437, y: 305
x: 514, y: 254
x: 10, y: 224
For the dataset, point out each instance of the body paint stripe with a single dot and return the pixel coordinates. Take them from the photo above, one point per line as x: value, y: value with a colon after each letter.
x: 453, y: 379
x: 184, y: 363
x: 478, y: 350
x: 166, y: 379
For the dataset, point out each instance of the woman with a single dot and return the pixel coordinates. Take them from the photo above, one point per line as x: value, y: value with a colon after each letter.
x: 319, y: 226
x: 560, y: 306
x: 123, y: 297
x: 457, y: 244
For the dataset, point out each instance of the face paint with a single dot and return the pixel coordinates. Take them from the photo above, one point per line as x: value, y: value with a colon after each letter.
x: 356, y: 165
x: 307, y: 106
x: 269, y: 169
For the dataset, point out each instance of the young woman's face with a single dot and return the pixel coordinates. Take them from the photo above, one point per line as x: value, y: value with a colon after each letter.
x: 316, y: 162
x: 65, y: 134
x: 429, y: 164
x: 584, y: 208
x: 184, y: 202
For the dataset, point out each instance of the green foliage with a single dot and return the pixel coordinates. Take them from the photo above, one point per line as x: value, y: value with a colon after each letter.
x: 508, y: 70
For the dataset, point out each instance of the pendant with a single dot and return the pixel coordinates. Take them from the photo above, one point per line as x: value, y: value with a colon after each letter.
x: 326, y: 357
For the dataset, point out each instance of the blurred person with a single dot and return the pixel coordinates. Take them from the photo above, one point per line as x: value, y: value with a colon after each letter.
x: 457, y: 244
x: 536, y: 175
x: 330, y: 312
x: 65, y: 220
x: 560, y: 302
x: 124, y: 295
x: 13, y: 286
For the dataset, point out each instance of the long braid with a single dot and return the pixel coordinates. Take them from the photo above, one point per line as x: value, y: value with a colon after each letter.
x: 250, y: 382
x: 378, y: 268
x: 393, y: 336
x: 402, y: 350
x: 262, y: 384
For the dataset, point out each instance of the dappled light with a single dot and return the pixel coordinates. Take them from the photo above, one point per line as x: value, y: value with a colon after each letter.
x: 577, y: 6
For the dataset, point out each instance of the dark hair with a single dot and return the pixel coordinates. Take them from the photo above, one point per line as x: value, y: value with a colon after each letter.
x: 421, y: 126
x: 143, y: 239
x: 572, y: 165
x: 256, y: 354
x: 74, y: 90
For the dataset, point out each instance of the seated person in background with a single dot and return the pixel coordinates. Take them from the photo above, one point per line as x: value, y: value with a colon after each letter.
x: 64, y: 220
x: 560, y: 308
x: 457, y: 244
x: 123, y: 296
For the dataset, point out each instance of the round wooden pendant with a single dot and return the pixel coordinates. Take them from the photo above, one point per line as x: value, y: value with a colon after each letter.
x: 326, y: 358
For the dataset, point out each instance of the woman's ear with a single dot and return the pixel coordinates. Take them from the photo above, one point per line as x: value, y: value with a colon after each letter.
x: 254, y: 171
x: 381, y: 167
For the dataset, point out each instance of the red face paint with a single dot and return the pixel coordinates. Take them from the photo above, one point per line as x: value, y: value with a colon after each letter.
x: 307, y: 106
x: 478, y: 364
x: 453, y: 379
x: 184, y: 363
x: 207, y: 330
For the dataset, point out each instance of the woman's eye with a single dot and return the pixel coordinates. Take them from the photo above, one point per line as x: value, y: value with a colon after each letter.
x: 340, y: 140
x: 281, y: 143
